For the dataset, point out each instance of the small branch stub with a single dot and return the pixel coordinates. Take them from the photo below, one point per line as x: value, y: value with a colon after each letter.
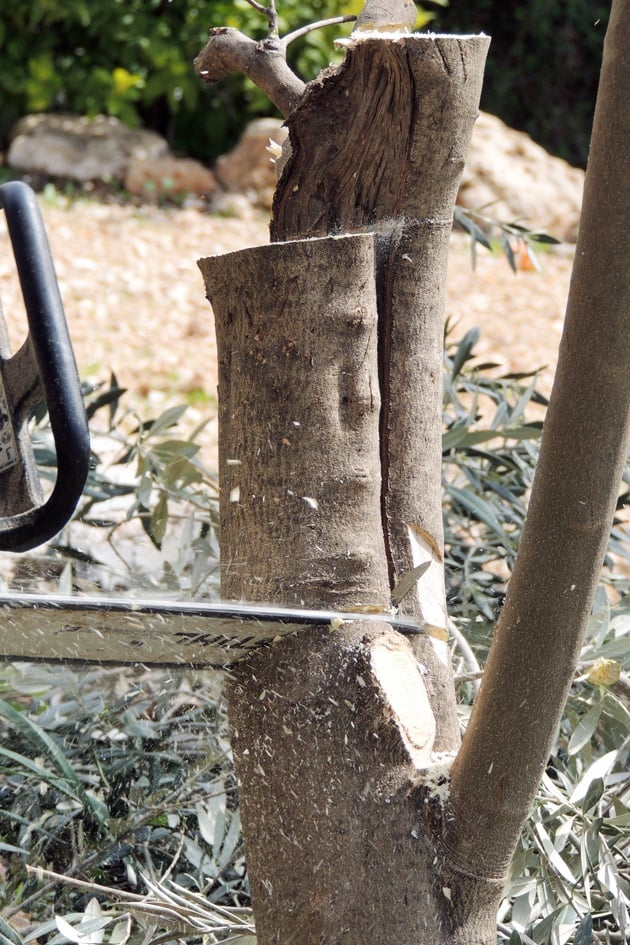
x: 228, y: 50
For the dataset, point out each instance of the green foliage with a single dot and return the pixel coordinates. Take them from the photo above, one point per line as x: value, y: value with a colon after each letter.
x: 149, y: 512
x: 543, y: 65
x: 128, y: 59
x: 148, y: 751
x: 571, y: 863
x: 518, y: 243
x: 569, y: 871
x: 123, y: 778
x: 492, y: 430
x: 489, y: 456
x: 133, y: 59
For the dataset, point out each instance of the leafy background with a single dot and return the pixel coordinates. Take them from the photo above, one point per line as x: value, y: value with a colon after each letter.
x: 543, y: 67
x: 133, y: 59
x: 122, y: 780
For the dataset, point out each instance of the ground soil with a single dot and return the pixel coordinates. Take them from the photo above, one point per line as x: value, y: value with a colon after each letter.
x: 134, y: 299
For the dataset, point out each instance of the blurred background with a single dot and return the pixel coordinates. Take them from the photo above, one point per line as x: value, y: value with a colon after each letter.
x: 132, y: 59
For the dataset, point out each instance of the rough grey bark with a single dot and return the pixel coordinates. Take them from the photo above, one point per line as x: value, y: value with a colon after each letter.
x: 537, y: 640
x: 379, y: 144
x: 335, y: 734
x: 298, y: 416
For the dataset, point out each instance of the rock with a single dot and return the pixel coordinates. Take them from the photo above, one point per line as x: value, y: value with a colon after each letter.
x: 515, y: 180
x: 103, y: 148
x: 65, y: 145
x: 249, y: 167
x: 168, y: 176
x: 233, y: 205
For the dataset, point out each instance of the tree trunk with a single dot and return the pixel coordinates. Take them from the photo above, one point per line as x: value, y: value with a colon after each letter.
x: 538, y: 638
x: 358, y: 826
x: 330, y: 363
x: 380, y: 144
x: 298, y: 415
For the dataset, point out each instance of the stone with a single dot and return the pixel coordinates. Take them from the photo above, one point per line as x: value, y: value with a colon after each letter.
x: 249, y: 167
x: 508, y: 177
x: 234, y: 205
x: 168, y: 176
x: 82, y: 149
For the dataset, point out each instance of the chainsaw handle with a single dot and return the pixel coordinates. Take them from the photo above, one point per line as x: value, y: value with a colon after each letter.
x: 51, y: 350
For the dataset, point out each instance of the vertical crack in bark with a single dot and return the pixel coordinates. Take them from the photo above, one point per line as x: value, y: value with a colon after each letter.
x: 385, y: 316
x: 386, y: 247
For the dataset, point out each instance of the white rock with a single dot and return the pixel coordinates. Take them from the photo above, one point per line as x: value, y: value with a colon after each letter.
x: 515, y: 179
x: 65, y: 145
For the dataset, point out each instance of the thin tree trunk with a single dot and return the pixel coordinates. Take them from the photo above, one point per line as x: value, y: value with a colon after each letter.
x: 328, y: 497
x: 537, y: 640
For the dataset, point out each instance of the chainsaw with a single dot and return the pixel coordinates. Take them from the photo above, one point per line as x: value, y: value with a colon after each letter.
x: 93, y: 629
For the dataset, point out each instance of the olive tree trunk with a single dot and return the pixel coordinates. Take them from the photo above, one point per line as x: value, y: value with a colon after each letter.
x: 330, y: 366
x: 365, y: 821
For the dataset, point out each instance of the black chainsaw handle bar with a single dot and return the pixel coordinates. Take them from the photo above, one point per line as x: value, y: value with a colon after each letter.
x: 51, y: 348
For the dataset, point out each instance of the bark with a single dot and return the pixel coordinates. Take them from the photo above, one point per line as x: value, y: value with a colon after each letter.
x: 298, y: 415
x: 379, y: 144
x: 329, y: 496
x: 265, y: 63
x: 537, y: 640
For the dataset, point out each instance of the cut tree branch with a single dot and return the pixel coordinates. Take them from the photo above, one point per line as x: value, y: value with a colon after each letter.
x: 228, y: 50
x: 265, y: 62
